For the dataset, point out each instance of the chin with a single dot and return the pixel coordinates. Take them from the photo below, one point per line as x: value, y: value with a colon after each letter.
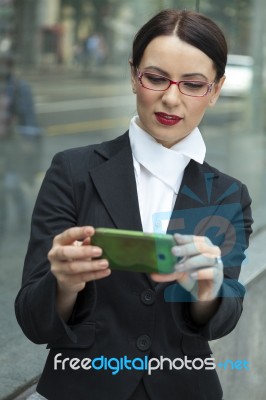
x: 166, y: 142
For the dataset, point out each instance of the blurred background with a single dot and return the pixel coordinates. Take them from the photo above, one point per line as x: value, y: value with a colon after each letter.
x: 64, y: 82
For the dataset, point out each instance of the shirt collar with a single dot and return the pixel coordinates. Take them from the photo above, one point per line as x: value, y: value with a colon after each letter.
x: 166, y: 164
x: 192, y: 145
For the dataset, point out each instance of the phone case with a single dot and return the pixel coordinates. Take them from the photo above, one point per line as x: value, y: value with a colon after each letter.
x: 136, y: 251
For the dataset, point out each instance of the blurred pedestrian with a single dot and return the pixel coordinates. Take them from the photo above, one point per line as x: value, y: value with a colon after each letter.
x: 20, y: 143
x: 96, y: 51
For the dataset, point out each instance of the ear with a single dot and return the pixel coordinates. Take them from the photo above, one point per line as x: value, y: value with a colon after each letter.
x: 133, y: 77
x: 216, y: 91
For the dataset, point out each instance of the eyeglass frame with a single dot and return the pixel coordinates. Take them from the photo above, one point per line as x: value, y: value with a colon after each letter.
x: 171, y: 82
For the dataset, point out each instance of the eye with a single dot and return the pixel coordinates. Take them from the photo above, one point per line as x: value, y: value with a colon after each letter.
x: 155, y: 79
x: 194, y: 85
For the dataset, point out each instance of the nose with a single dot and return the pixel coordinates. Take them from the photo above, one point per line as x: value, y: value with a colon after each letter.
x: 172, y: 96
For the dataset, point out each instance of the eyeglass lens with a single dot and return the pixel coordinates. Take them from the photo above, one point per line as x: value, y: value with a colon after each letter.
x: 160, y: 83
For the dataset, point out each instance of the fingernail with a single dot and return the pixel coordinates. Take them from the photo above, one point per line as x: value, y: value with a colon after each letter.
x: 180, y: 268
x: 176, y: 251
x: 96, y: 251
x: 194, y: 275
x: 103, y: 263
x: 177, y: 236
x: 88, y: 230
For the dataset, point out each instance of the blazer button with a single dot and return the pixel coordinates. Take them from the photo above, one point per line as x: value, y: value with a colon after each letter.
x: 147, y: 296
x: 143, y: 342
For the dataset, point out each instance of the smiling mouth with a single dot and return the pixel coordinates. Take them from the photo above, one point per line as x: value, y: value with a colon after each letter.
x: 167, y: 119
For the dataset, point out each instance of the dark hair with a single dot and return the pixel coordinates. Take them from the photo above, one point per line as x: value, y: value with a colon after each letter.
x: 191, y: 27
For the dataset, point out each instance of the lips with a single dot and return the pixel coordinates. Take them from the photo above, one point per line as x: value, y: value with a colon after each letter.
x: 167, y: 119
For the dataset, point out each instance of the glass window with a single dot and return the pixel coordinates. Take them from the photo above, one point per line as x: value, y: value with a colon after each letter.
x: 64, y: 82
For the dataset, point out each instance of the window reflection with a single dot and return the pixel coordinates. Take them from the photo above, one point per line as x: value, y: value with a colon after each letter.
x: 64, y: 82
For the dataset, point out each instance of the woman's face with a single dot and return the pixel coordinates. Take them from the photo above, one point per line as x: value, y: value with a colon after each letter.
x: 169, y: 116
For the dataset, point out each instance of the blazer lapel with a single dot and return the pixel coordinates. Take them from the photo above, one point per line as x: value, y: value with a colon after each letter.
x: 197, y: 193
x: 115, y: 182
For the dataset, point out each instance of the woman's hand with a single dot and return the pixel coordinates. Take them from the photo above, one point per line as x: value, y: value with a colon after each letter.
x: 74, y: 261
x: 200, y: 271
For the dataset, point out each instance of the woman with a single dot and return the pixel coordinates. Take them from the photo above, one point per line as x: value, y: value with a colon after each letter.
x: 114, y: 335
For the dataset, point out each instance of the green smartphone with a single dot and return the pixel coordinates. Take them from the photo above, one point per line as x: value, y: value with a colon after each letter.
x: 136, y: 251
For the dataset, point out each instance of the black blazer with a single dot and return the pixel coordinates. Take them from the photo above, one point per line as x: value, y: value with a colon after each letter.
x: 127, y: 314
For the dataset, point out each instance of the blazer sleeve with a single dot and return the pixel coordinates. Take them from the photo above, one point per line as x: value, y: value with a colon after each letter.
x: 232, y: 291
x: 55, y: 210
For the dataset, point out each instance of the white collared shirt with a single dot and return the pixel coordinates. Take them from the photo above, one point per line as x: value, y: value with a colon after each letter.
x: 159, y: 172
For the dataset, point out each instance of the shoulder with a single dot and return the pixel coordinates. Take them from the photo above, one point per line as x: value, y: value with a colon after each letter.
x: 228, y: 181
x: 92, y: 155
x: 209, y: 172
x: 212, y: 181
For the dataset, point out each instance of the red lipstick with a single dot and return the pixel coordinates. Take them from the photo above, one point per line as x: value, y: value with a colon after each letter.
x: 167, y: 119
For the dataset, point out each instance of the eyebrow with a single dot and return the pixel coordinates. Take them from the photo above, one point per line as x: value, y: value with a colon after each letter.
x: 188, y: 75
